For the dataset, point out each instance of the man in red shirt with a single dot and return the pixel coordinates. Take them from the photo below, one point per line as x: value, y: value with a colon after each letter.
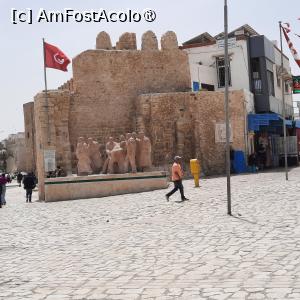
x: 177, y: 175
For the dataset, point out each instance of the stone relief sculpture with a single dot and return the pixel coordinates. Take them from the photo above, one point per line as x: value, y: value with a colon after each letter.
x: 116, y: 164
x: 84, y: 161
x: 144, y: 161
x: 110, y: 145
x: 95, y: 155
x: 131, y: 154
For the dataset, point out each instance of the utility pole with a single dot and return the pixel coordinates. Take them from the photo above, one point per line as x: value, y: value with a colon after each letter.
x: 283, y: 108
x: 226, y: 61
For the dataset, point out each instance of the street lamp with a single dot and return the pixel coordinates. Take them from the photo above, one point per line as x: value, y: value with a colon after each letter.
x: 283, y: 107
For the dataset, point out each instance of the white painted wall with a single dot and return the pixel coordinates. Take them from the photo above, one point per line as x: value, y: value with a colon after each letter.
x: 278, y: 89
x: 207, y: 71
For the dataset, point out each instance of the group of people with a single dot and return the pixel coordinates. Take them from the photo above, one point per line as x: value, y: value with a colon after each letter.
x: 129, y: 153
x: 29, y: 183
x: 59, y: 172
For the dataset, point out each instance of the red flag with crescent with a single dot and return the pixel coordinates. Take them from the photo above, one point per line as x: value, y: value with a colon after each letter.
x: 55, y: 58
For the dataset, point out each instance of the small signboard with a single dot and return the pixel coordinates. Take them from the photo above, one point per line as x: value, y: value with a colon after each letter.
x: 49, y: 160
x: 220, y: 133
x: 296, y: 84
x: 231, y: 43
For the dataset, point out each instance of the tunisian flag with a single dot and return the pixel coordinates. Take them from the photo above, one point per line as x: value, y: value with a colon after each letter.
x: 55, y: 58
x: 291, y: 46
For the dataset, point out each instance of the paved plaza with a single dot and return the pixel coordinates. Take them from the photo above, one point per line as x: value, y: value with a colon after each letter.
x: 142, y: 247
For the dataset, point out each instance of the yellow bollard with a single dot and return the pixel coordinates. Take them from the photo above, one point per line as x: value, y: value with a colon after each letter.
x: 195, y: 170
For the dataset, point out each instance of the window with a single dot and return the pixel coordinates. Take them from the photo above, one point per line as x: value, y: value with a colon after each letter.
x: 286, y: 87
x: 207, y: 87
x: 221, y: 72
x: 270, y: 77
x: 256, y: 77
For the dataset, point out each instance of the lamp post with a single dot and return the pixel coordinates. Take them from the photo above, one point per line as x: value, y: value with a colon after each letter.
x: 226, y: 98
x: 283, y: 108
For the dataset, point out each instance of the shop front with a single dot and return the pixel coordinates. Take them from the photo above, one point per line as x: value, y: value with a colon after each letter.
x: 266, y: 142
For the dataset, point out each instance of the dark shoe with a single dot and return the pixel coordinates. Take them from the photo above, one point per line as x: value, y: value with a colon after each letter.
x: 167, y: 197
x: 185, y: 199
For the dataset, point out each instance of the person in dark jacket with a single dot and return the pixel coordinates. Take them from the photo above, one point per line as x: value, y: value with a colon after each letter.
x: 3, y: 182
x: 29, y: 185
x: 19, y: 178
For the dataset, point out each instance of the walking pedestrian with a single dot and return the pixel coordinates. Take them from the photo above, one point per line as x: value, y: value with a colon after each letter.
x: 29, y: 185
x: 177, y: 175
x: 19, y: 178
x: 3, y: 182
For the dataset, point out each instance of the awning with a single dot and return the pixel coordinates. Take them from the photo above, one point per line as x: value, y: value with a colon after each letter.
x: 289, y: 123
x: 271, y: 122
x: 255, y: 121
x: 297, y: 123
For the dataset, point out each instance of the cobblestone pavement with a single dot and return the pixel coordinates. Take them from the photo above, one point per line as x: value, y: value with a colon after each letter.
x: 141, y: 247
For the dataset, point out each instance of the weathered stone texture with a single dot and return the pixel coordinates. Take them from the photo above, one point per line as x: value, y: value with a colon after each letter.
x: 30, y: 149
x: 55, y: 133
x: 107, y: 83
x: 127, y: 41
x: 67, y: 86
x: 149, y: 41
x: 157, y: 115
x: 16, y: 153
x: 103, y: 41
x: 169, y: 41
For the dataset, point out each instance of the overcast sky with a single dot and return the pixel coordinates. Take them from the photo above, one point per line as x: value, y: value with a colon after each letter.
x: 21, y: 73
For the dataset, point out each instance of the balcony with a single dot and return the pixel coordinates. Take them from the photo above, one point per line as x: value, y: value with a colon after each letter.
x: 276, y: 106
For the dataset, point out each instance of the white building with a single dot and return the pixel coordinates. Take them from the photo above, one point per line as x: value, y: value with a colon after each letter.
x: 254, y: 66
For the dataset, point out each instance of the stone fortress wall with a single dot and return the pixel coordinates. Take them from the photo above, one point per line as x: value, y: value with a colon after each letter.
x: 30, y: 150
x: 121, y: 89
x: 185, y: 123
x: 107, y: 82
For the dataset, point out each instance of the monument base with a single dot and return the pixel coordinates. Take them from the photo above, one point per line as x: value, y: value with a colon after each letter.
x: 97, y: 186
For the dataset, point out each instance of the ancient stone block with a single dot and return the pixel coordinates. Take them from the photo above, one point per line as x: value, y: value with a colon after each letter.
x: 169, y: 41
x: 103, y: 41
x: 149, y: 41
x: 127, y: 41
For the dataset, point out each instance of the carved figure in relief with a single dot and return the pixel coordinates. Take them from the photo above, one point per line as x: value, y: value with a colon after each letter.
x: 95, y: 155
x: 144, y: 160
x: 84, y: 161
x: 131, y: 154
x: 110, y: 145
x: 116, y: 164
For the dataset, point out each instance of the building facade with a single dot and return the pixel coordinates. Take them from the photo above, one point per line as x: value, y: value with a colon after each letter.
x: 255, y: 65
x: 16, y: 152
